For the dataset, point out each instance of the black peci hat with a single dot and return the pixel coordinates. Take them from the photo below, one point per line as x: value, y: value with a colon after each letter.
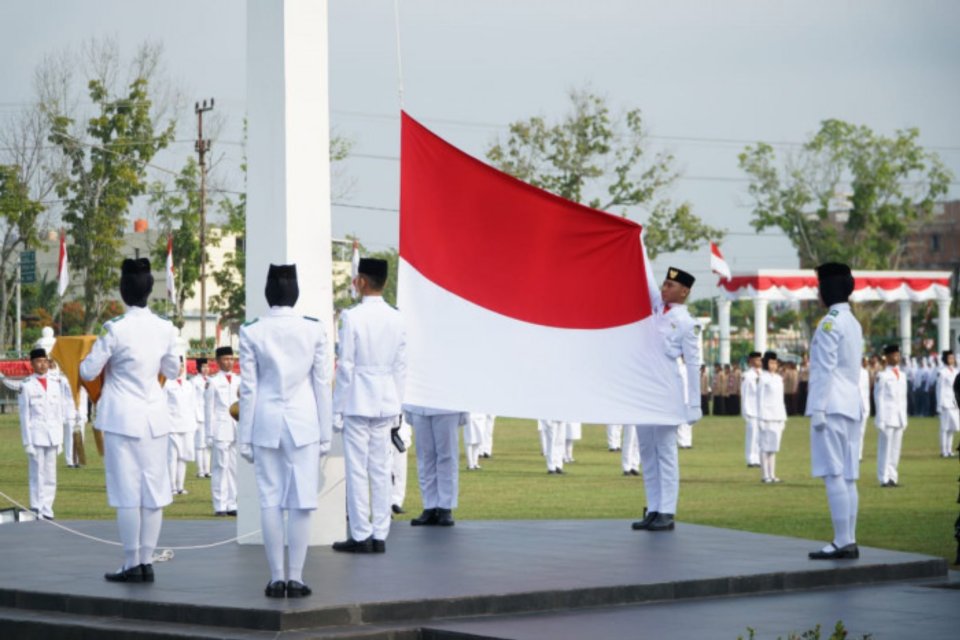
x: 833, y: 269
x: 681, y: 277
x: 38, y: 353
x: 224, y: 351
x: 282, y: 289
x: 374, y: 267
x: 754, y: 354
x: 200, y: 362
x: 136, y: 281
x: 891, y: 348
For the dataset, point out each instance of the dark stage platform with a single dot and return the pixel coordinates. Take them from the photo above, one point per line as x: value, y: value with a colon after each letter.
x: 431, y: 583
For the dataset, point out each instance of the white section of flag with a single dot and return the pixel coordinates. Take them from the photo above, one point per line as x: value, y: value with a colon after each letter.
x: 354, y: 268
x: 717, y: 264
x: 463, y: 357
x: 63, y: 271
x: 171, y: 283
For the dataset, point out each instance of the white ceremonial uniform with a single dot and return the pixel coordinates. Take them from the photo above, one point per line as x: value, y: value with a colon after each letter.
x: 367, y: 399
x: 69, y: 426
x: 947, y: 408
x: 201, y: 450
x: 614, y: 435
x: 771, y: 411
x: 223, y: 389
x: 438, y: 453
x: 865, y: 399
x: 398, y: 465
x: 486, y: 450
x: 684, y: 429
x: 890, y: 396
x: 835, y: 355
x: 182, y: 404
x: 286, y: 407
x: 630, y: 451
x: 749, y: 386
x: 573, y: 431
x: 473, y: 430
x: 552, y: 433
x: 134, y: 349
x: 658, y: 443
x: 44, y: 410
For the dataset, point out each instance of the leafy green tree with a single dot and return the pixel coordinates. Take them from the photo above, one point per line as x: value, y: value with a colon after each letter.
x: 231, y: 302
x: 18, y: 231
x: 892, y: 184
x: 591, y: 156
x: 107, y: 170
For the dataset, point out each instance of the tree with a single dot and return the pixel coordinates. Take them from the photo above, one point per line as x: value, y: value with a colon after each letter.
x: 18, y: 231
x: 882, y: 186
x: 592, y: 157
x: 231, y: 302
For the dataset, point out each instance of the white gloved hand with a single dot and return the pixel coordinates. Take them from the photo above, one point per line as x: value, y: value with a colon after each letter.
x: 246, y: 452
x: 59, y: 449
x: 337, y: 422
x: 324, y: 448
x: 30, y: 451
x: 818, y: 420
x: 694, y: 413
x: 209, y: 442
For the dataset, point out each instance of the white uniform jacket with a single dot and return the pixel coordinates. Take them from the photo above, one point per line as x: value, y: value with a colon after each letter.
x: 44, y: 412
x: 749, y: 394
x: 285, y: 372
x: 946, y: 400
x: 835, y: 355
x: 865, y: 389
x: 770, y: 403
x: 200, y: 398
x: 372, y: 362
x: 182, y: 405
x: 890, y: 396
x: 220, y: 394
x: 133, y: 351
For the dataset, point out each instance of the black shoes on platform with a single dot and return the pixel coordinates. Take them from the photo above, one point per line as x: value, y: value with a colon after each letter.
x: 297, y: 589
x: 139, y: 573
x: 354, y: 546
x: 425, y: 519
x: 289, y: 589
x: 655, y: 521
x: 445, y: 518
x: 848, y: 552
x: 397, y: 509
x: 649, y: 516
x: 276, y: 589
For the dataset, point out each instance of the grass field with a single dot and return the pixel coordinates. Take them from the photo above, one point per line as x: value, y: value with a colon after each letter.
x: 716, y: 487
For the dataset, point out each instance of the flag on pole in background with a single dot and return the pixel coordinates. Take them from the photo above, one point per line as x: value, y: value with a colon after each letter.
x: 518, y: 302
x: 354, y: 268
x: 171, y: 283
x: 717, y: 264
x: 63, y: 273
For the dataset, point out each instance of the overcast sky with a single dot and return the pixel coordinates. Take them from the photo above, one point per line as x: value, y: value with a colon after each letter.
x: 710, y: 77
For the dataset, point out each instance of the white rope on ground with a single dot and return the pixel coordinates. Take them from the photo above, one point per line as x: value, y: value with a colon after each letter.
x: 396, y: 22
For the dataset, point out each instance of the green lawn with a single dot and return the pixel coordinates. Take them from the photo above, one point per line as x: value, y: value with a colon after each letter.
x: 716, y: 487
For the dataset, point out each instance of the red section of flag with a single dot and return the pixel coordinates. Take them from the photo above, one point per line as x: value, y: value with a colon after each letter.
x: 512, y: 248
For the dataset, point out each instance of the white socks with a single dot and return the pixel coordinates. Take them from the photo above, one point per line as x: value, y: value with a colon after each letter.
x: 843, y: 500
x: 139, y: 532
x: 298, y: 534
x: 473, y: 456
x: 150, y: 523
x: 568, y: 451
x: 271, y: 522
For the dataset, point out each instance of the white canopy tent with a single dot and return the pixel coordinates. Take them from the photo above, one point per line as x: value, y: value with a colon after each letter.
x: 778, y: 285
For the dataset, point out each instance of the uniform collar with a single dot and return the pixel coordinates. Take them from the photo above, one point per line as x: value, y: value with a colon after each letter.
x: 280, y: 311
x: 373, y: 300
x: 840, y: 305
x: 138, y: 311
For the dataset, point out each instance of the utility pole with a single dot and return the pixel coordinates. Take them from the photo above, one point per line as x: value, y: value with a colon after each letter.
x: 202, y: 147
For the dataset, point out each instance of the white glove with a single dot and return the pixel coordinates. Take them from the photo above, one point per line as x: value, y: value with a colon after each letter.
x: 818, y: 420
x: 209, y: 442
x: 694, y: 414
x: 28, y: 448
x: 324, y: 448
x: 246, y: 452
x: 337, y: 422
x: 59, y: 449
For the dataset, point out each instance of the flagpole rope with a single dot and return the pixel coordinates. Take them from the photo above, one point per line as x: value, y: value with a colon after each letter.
x: 396, y: 23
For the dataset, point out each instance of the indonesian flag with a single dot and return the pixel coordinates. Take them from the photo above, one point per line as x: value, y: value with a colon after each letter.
x: 63, y: 273
x: 717, y: 264
x: 171, y: 284
x: 517, y: 302
x: 354, y: 268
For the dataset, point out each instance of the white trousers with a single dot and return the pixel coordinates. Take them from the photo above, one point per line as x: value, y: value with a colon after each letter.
x: 398, y: 466
x: 203, y: 460
x: 630, y: 450
x: 685, y: 435
x: 752, y: 442
x: 949, y: 423
x: 223, y: 481
x: 863, y: 431
x: 365, y: 442
x: 42, y: 472
x: 661, y: 471
x: 889, y: 441
x: 614, y: 433
x: 68, y: 443
x: 555, y: 436
x: 438, y: 459
x: 486, y: 447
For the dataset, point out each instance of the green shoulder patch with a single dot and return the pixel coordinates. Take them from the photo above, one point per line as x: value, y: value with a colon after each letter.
x: 833, y: 312
x: 250, y: 322
x: 827, y: 326
x: 310, y: 318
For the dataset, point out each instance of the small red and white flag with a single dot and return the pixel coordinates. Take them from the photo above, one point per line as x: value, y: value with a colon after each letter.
x: 171, y: 283
x: 518, y: 302
x: 354, y: 268
x: 63, y: 273
x: 717, y: 264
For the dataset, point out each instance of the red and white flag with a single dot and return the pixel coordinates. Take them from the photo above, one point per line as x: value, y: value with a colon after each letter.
x: 520, y: 303
x: 171, y: 283
x: 717, y: 264
x: 63, y: 272
x: 354, y: 268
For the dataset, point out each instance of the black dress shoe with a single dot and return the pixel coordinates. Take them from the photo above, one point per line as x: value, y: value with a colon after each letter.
x: 849, y: 552
x: 485, y: 455
x: 220, y: 514
x: 379, y: 546
x: 647, y: 519
x: 297, y: 589
x: 663, y: 522
x: 634, y: 472
x: 232, y: 512
x: 445, y: 518
x: 551, y: 471
x: 348, y: 546
x: 559, y: 471
x: 276, y: 589
x: 397, y: 509
x: 425, y: 519
x: 146, y: 571
x: 133, y: 574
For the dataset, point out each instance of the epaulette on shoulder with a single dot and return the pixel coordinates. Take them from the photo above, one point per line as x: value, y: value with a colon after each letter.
x: 250, y: 322
x: 310, y: 318
x: 115, y: 319
x: 833, y: 312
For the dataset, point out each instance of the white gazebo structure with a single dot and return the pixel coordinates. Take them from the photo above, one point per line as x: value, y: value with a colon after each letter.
x: 779, y: 285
